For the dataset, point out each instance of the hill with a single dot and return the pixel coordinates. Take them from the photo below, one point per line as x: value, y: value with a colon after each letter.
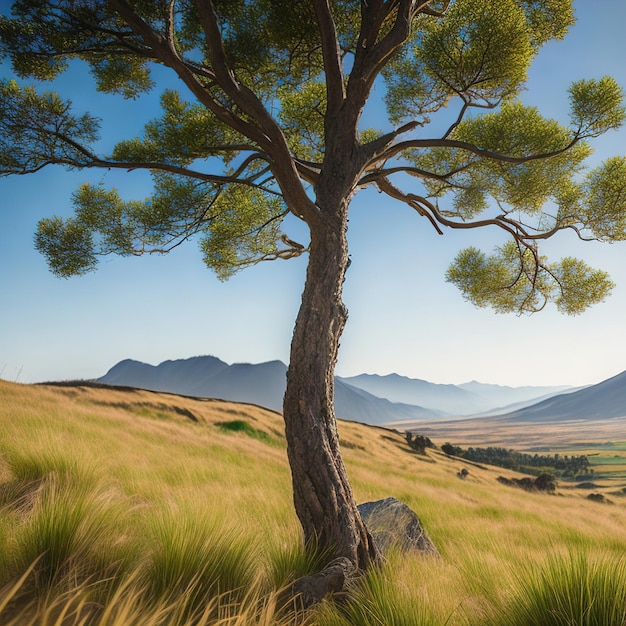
x: 148, y: 489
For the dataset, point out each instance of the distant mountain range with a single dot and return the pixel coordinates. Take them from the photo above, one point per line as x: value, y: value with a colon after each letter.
x: 262, y: 384
x: 453, y: 400
x: 367, y: 398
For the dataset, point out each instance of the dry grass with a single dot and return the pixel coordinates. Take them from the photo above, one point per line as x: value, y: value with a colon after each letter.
x: 149, y: 485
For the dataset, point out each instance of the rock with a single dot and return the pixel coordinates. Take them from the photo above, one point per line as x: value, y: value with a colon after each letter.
x: 393, y: 523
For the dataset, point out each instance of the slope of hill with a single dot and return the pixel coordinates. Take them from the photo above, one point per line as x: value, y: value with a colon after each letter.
x: 144, y: 488
x: 605, y: 400
x: 262, y: 384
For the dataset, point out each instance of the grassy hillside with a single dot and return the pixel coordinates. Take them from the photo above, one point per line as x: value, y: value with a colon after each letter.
x: 122, y: 507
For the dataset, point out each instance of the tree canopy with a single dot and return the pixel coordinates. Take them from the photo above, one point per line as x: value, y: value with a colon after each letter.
x: 249, y: 130
x: 267, y: 123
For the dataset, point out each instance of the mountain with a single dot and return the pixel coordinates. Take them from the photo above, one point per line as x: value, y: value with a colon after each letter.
x: 205, y: 377
x: 467, y: 399
x: 262, y: 384
x: 374, y: 399
x: 605, y: 400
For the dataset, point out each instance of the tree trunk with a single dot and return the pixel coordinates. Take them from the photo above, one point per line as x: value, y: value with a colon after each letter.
x: 323, y: 497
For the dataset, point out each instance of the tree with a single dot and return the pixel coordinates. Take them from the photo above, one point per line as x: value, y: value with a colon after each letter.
x: 268, y: 125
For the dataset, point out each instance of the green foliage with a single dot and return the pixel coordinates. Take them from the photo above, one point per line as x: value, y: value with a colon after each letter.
x: 184, y: 133
x: 516, y: 280
x: 548, y: 19
x: 39, y: 129
x: 245, y: 227
x: 419, y: 443
x: 238, y: 225
x: 67, y: 246
x: 520, y: 131
x: 596, y: 106
x: 480, y: 51
x: 302, y: 115
x: 252, y: 146
x: 43, y: 37
x: 578, y: 286
x: 604, y: 207
x: 560, y: 465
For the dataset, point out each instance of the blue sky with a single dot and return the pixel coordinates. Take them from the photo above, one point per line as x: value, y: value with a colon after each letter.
x: 404, y: 317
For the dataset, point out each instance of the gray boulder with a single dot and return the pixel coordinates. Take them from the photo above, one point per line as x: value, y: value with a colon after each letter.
x: 393, y: 524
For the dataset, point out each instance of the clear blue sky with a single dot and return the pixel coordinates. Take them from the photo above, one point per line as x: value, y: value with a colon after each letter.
x: 404, y: 317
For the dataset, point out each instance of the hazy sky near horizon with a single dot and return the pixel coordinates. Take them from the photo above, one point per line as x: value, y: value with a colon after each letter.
x: 404, y: 317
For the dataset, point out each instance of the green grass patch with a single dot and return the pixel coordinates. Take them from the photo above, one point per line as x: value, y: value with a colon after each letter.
x: 244, y: 428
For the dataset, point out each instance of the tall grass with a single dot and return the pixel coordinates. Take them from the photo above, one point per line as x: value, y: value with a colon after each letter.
x: 129, y: 604
x: 196, y: 555
x: 73, y: 530
x: 577, y: 588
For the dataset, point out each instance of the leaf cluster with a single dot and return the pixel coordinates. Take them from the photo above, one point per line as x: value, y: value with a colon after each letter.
x: 514, y: 280
x: 184, y: 133
x: 226, y: 217
x: 519, y: 132
x: 480, y: 52
x: 40, y: 129
x: 43, y: 37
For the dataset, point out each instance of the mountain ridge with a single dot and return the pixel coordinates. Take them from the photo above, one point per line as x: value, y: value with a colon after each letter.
x: 367, y: 398
x: 262, y: 384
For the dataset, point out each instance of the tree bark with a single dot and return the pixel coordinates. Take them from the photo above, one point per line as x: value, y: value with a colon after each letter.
x: 322, y: 494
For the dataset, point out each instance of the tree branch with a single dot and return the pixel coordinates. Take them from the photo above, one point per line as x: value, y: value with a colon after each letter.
x: 274, y: 142
x: 94, y: 161
x: 267, y: 134
x: 518, y: 231
x: 163, y: 51
x: 335, y: 92
x: 371, y: 55
x: 373, y: 176
x: 469, y: 147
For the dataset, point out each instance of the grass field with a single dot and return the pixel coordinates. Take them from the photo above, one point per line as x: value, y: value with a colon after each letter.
x: 124, y: 507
